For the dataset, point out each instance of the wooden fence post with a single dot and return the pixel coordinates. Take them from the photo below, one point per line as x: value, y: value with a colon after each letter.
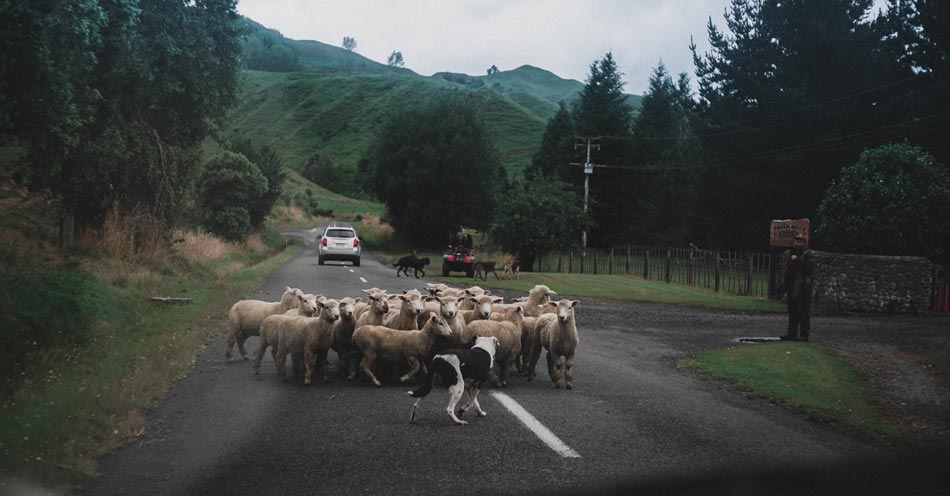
x: 596, y: 257
x: 748, y: 276
x: 689, y: 268
x: 583, y: 256
x: 627, y: 269
x: 559, y: 254
x: 570, y: 263
x: 610, y: 262
x: 717, y: 272
x: 669, y: 266
x: 646, y: 263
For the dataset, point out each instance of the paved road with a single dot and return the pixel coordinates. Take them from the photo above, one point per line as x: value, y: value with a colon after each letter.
x: 631, y: 416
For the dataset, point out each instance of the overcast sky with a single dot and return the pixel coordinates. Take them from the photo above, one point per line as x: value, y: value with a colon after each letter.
x: 468, y: 36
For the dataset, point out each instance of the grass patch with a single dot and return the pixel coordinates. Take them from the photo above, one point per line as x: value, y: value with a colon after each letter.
x: 804, y: 377
x: 940, y: 367
x: 83, y: 399
x: 624, y: 288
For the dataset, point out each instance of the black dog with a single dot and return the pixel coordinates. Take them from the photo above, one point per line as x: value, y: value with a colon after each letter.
x: 462, y: 370
x: 411, y: 262
x: 483, y: 268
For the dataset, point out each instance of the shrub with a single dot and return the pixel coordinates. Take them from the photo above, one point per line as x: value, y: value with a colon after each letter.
x: 228, y: 185
x: 893, y: 201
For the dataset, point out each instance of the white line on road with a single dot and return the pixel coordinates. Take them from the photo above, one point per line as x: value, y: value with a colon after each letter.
x: 363, y: 279
x: 535, y: 426
x: 353, y: 271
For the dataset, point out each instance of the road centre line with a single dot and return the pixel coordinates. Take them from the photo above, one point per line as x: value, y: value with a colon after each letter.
x: 535, y: 426
x: 353, y: 271
x: 363, y: 279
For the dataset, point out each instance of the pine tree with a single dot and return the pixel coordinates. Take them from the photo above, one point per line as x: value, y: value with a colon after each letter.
x: 602, y: 111
x: 557, y: 147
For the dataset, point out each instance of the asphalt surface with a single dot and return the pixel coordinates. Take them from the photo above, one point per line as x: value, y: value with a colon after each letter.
x: 633, y: 417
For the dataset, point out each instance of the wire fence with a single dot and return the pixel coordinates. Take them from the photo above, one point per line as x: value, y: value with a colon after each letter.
x: 733, y: 272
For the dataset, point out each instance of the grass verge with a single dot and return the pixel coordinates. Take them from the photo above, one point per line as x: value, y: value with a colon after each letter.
x: 93, y: 397
x: 624, y: 288
x: 804, y: 377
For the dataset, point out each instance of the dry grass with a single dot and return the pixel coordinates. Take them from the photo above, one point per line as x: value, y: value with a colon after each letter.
x: 283, y: 215
x: 199, y: 246
x: 128, y: 236
x: 14, y: 243
x: 373, y: 230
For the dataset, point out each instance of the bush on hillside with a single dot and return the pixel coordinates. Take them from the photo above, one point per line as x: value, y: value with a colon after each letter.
x: 272, y: 167
x: 893, y: 201
x: 228, y: 184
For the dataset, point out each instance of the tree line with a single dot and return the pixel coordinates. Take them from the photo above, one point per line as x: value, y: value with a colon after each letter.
x: 805, y: 108
x: 112, y: 99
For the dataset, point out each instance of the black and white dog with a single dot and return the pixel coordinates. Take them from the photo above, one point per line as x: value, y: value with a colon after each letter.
x: 462, y: 370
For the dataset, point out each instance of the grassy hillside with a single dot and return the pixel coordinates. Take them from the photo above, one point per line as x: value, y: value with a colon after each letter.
x: 325, y: 108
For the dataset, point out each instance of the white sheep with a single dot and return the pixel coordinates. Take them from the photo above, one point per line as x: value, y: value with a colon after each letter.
x: 245, y: 317
x: 375, y: 310
x: 508, y: 333
x: 310, y: 336
x: 446, y: 307
x: 483, y: 307
x: 306, y: 305
x: 558, y: 335
x: 391, y: 345
x: 404, y: 317
x: 473, y: 291
x: 343, y: 334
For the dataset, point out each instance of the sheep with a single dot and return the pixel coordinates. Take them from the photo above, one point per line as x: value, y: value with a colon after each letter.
x: 405, y: 317
x: 375, y: 312
x: 312, y: 337
x: 245, y: 317
x: 538, y: 296
x: 447, y: 308
x: 558, y: 335
x: 306, y: 305
x: 379, y: 342
x: 473, y: 291
x: 343, y: 334
x: 483, y: 307
x: 508, y: 333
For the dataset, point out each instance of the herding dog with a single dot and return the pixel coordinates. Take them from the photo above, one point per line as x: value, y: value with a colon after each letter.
x: 512, y: 269
x: 483, y: 268
x: 462, y: 370
x: 411, y: 262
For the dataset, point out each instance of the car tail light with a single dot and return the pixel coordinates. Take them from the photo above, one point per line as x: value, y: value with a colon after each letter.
x: 323, y: 241
x: 451, y: 258
x: 356, y: 242
x: 468, y: 259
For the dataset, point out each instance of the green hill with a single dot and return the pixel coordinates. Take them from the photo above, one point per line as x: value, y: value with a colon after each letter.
x: 334, y: 100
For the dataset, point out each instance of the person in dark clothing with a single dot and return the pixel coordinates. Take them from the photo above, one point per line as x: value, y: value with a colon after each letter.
x: 798, y: 287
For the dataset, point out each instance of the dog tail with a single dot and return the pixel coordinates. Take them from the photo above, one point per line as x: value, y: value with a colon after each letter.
x: 427, y: 385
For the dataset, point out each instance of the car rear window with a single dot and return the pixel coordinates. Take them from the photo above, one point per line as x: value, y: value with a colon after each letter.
x: 340, y: 233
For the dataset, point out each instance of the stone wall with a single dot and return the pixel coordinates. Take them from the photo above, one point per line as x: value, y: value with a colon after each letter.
x: 872, y: 283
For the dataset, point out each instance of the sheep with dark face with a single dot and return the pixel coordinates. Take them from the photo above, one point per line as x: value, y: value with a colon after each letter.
x: 346, y: 352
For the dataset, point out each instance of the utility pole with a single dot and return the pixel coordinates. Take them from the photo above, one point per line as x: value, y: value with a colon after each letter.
x: 588, y: 170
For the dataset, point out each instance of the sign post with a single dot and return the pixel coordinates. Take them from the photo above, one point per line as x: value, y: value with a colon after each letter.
x: 782, y: 235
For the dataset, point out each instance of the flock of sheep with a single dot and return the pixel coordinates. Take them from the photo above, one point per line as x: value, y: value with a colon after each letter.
x: 400, y: 333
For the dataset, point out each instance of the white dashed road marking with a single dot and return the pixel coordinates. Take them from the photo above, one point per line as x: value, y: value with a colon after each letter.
x: 353, y: 271
x: 363, y: 279
x: 535, y: 426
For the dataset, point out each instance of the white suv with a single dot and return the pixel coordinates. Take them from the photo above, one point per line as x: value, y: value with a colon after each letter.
x: 340, y: 243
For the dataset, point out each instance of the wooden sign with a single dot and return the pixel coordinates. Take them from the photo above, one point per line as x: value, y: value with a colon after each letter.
x: 783, y: 232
